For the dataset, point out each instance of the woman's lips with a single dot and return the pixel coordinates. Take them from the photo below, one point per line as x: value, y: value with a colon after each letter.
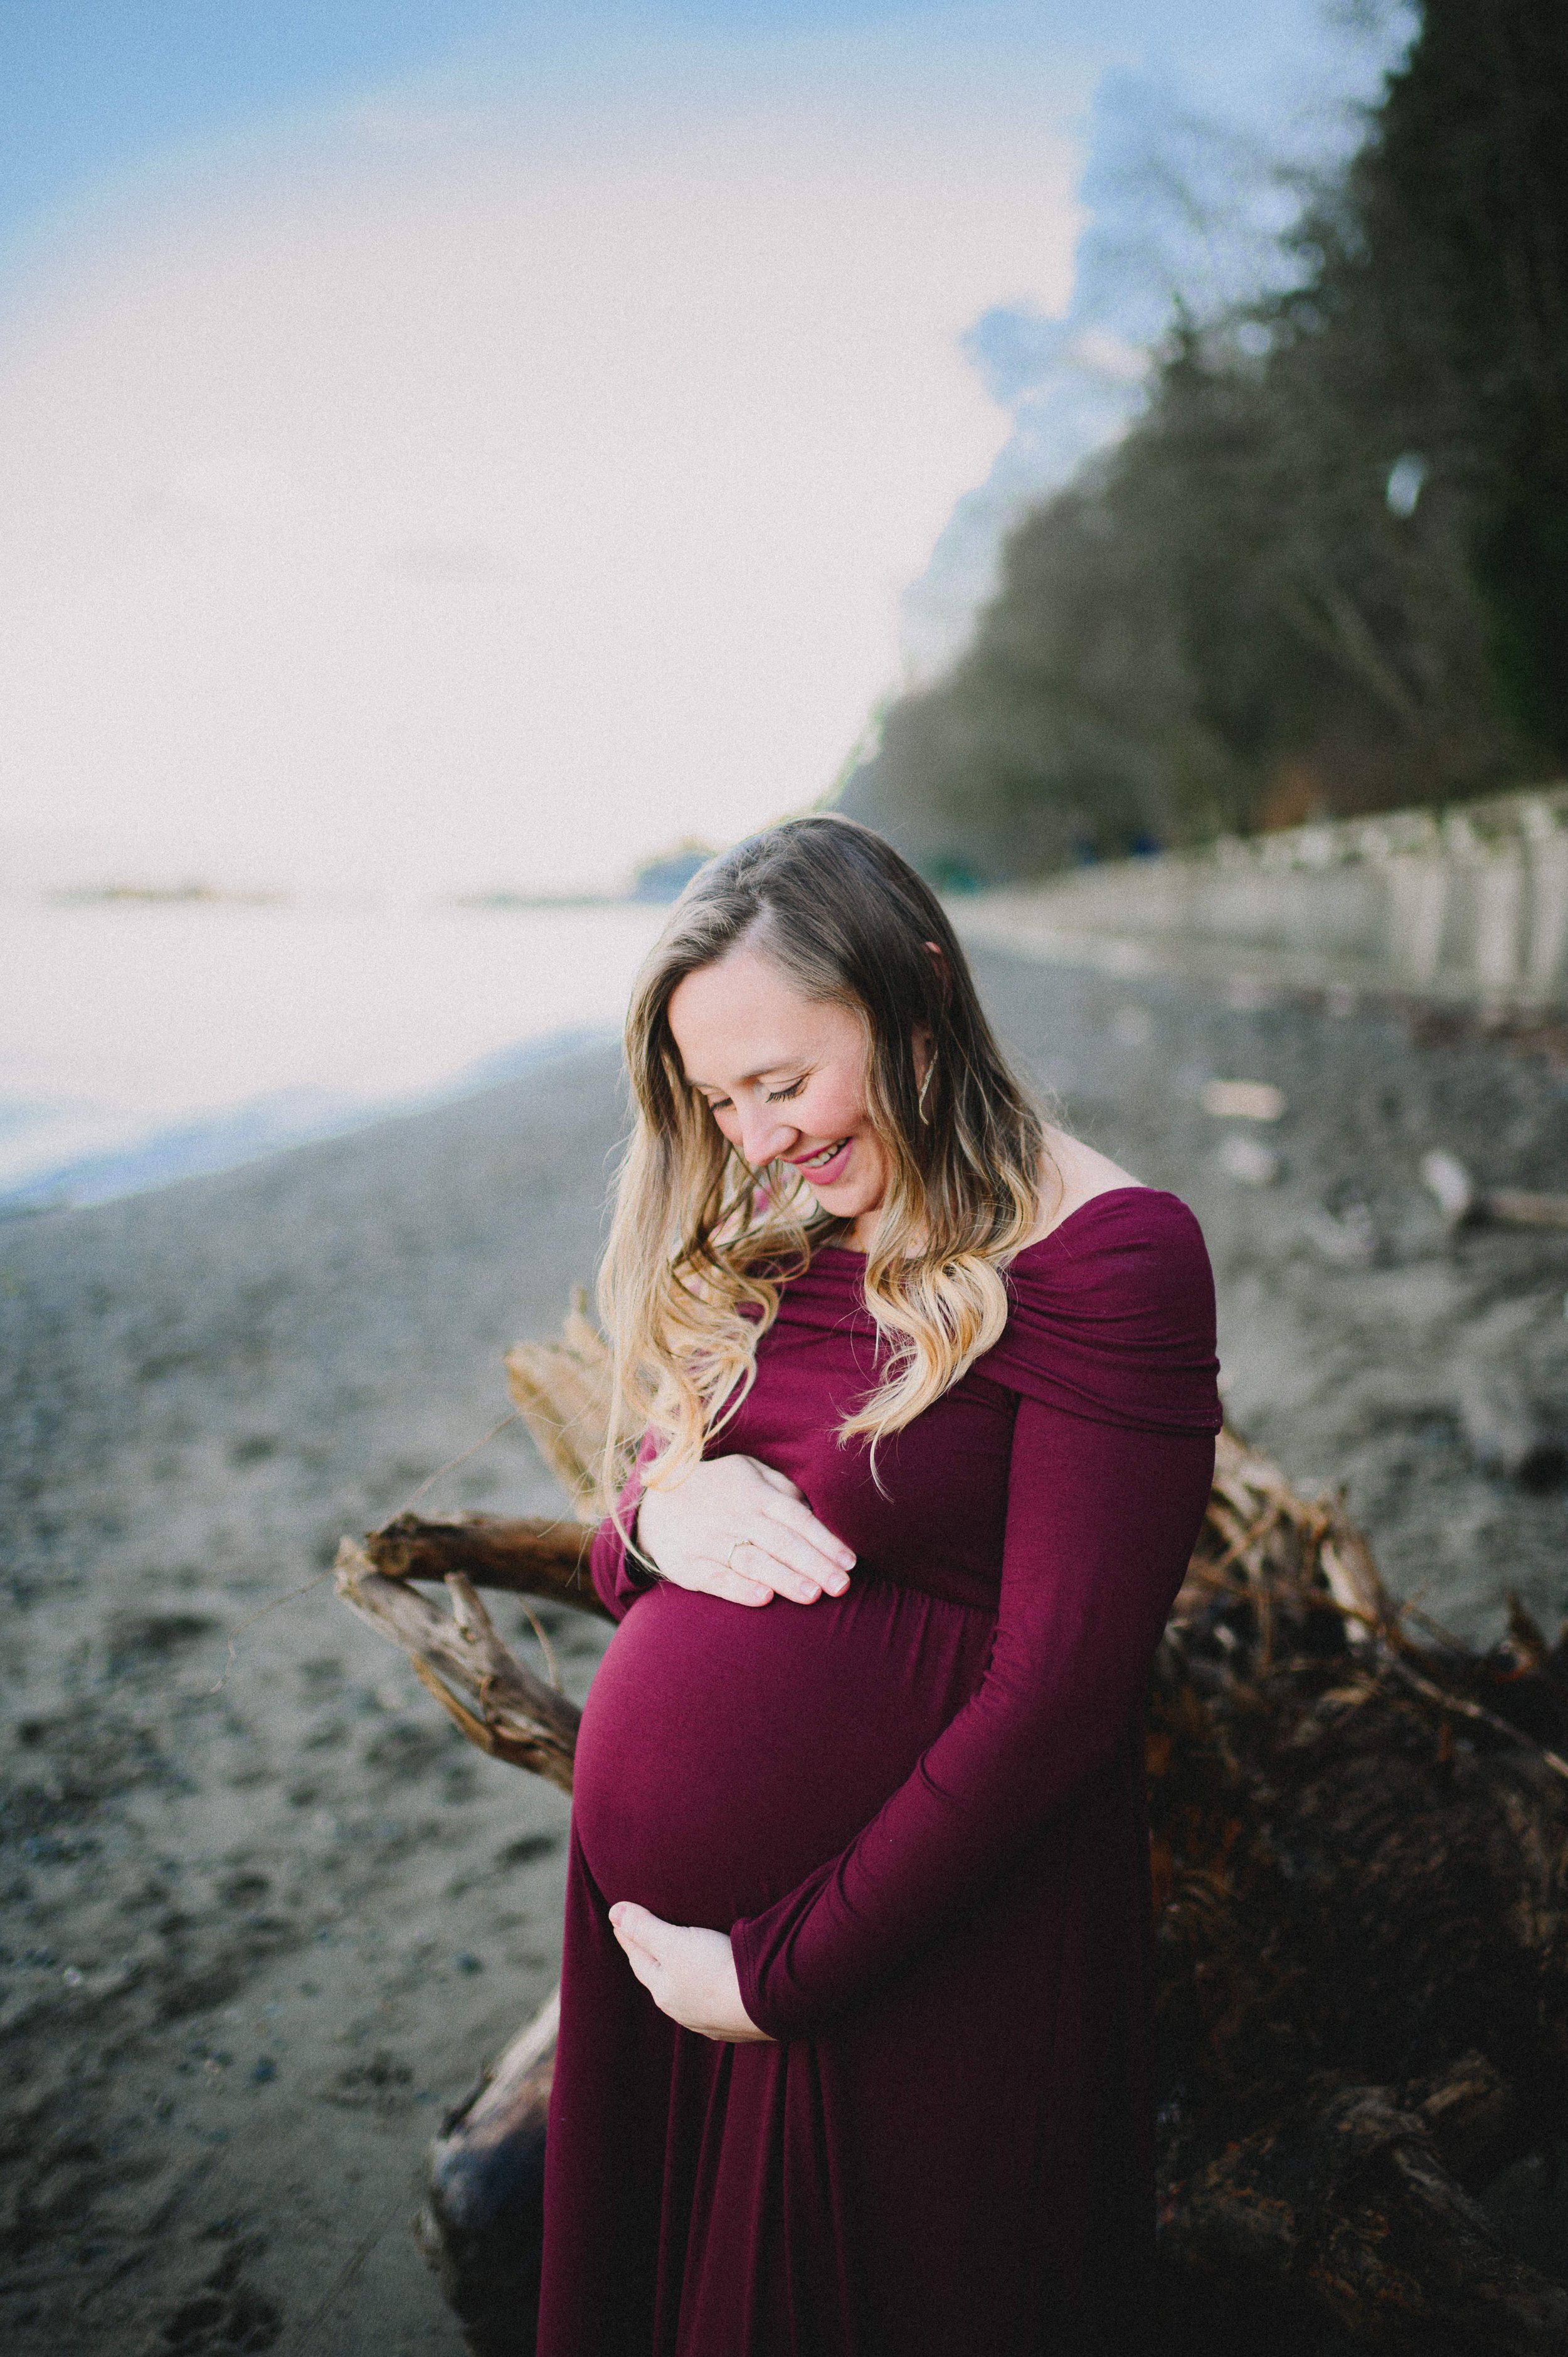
x: 826, y: 1173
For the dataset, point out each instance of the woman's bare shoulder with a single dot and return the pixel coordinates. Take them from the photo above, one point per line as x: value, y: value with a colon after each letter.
x: 1071, y: 1174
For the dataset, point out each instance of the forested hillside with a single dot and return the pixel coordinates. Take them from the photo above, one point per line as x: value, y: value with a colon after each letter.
x: 1327, y: 569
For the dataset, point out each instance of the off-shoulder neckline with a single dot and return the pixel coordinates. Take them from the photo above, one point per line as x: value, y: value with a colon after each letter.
x: 1106, y: 1195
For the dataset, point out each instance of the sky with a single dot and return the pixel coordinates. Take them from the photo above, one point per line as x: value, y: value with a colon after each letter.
x: 470, y: 447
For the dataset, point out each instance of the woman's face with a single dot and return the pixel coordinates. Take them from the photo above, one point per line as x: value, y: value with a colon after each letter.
x: 784, y: 1078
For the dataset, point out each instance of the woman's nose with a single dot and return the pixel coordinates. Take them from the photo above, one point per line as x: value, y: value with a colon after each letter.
x: 763, y: 1136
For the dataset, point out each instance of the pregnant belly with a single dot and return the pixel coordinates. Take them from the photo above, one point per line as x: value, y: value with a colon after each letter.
x: 725, y: 1752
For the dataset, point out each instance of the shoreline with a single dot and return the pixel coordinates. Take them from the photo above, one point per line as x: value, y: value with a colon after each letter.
x: 192, y: 1037
x: 278, y: 1124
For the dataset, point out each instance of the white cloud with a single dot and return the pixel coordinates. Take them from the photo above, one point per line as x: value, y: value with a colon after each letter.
x: 496, y: 511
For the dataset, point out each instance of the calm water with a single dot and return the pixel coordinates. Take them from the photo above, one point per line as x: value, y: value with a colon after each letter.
x: 141, y: 1042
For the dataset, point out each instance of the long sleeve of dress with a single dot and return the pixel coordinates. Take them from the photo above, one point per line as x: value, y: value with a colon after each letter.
x: 1100, y: 1521
x: 618, y: 1578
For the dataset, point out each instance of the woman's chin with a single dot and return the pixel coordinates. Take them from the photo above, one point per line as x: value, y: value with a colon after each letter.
x: 843, y: 1202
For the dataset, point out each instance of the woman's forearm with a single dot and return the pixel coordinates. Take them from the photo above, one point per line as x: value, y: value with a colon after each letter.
x: 1101, y: 1525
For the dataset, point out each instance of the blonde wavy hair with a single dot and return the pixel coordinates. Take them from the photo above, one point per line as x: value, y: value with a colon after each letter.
x: 702, y: 1245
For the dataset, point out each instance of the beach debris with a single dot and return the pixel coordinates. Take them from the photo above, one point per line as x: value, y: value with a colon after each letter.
x: 481, y: 2228
x: 1461, y: 1199
x: 1361, y: 1844
x: 1505, y: 1431
x: 1354, y: 2190
x: 1249, y: 994
x: 1248, y: 1161
x: 1446, y: 1177
x: 458, y: 1656
x: 562, y: 1390
x: 562, y: 1393
x: 528, y: 1556
x: 1517, y: 1207
x: 1243, y: 1100
x: 1348, y: 1239
x: 1359, y: 1852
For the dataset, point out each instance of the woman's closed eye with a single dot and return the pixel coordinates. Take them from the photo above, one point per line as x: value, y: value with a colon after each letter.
x: 771, y: 1096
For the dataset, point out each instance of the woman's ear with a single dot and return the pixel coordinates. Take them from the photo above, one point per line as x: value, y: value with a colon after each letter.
x: 922, y: 1039
x: 923, y: 1047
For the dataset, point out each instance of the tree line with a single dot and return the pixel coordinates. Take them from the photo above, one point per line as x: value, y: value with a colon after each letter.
x: 1326, y: 570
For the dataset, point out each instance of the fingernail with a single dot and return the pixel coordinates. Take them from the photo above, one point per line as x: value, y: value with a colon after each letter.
x: 837, y: 1587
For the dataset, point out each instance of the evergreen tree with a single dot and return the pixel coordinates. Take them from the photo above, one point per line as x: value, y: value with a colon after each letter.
x: 1328, y: 568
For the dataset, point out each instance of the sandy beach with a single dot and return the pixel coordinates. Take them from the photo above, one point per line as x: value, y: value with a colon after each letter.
x: 266, y: 1916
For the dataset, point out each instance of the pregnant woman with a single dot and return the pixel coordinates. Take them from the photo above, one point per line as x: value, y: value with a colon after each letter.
x: 855, y: 2004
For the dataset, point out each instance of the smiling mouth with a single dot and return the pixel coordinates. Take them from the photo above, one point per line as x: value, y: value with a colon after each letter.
x: 821, y: 1161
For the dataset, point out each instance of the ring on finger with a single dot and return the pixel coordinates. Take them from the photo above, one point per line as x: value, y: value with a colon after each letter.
x: 729, y: 1559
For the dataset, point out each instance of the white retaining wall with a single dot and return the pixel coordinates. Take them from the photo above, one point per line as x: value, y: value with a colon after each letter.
x: 1468, y: 902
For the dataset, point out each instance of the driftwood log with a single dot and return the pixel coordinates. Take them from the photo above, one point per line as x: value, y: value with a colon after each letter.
x: 1360, y: 1869
x: 481, y: 2226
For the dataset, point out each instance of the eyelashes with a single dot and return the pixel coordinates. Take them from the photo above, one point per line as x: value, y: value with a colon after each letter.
x: 774, y: 1097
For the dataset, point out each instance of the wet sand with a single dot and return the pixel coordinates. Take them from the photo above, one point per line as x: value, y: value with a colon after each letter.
x: 256, y: 1941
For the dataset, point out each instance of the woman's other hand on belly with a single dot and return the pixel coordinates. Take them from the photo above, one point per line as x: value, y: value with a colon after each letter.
x: 689, y: 1974
x: 736, y: 1529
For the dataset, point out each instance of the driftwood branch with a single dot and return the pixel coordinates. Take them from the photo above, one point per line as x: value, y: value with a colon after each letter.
x: 562, y: 1391
x: 1513, y: 1206
x: 499, y: 1704
x: 1463, y: 1203
x: 532, y: 1557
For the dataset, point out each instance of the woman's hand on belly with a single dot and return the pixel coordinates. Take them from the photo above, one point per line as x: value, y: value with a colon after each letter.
x: 689, y: 1974
x: 736, y: 1529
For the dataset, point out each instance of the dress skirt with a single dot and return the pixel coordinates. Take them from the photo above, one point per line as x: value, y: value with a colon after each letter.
x: 952, y: 2162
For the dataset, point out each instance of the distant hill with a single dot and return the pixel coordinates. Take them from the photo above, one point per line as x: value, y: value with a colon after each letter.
x: 666, y: 876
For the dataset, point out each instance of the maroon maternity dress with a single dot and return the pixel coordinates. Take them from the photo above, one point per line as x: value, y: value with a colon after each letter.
x: 919, y: 1811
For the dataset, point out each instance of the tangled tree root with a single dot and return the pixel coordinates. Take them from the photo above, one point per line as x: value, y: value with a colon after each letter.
x: 1360, y: 1868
